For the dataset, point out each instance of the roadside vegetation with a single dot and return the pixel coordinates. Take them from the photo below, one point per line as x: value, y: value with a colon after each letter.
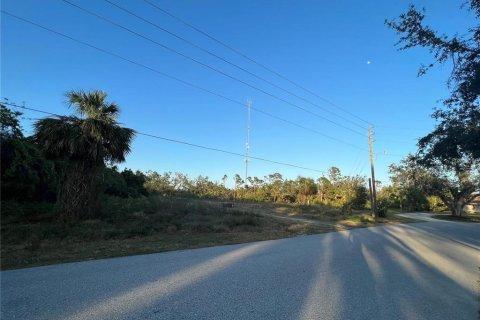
x: 64, y: 198
x: 32, y: 235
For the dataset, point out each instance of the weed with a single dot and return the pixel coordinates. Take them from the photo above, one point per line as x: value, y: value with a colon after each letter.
x: 30, y: 235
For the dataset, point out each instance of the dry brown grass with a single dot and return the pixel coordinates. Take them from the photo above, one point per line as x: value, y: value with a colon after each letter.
x: 139, y: 226
x: 136, y: 228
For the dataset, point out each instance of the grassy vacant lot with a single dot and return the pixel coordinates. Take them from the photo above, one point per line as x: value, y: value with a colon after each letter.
x: 30, y: 235
x: 324, y: 214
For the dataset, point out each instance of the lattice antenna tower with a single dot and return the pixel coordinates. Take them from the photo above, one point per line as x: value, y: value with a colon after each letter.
x: 247, y: 144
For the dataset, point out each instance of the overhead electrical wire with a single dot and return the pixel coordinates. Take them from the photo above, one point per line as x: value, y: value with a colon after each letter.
x: 263, y: 66
x: 209, y: 67
x: 180, y: 141
x: 179, y: 80
x: 230, y: 62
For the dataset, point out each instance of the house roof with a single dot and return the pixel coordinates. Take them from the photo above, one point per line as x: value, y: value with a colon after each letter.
x: 475, y: 200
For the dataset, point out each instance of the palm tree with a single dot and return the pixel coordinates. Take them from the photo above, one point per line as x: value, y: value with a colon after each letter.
x: 84, y: 142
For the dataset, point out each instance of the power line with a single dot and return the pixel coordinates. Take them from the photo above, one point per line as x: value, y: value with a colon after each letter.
x: 230, y: 152
x: 230, y: 62
x: 397, y: 141
x: 308, y: 129
x: 392, y: 155
x: 180, y: 141
x: 209, y: 66
x: 354, y: 164
x: 11, y: 104
x: 254, y: 61
x: 364, y: 163
x: 180, y: 80
x: 399, y: 128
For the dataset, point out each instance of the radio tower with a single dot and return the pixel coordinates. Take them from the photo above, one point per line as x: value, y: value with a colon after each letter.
x: 247, y: 144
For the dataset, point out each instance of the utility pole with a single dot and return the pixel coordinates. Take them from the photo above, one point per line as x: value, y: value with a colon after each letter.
x: 247, y: 144
x: 374, y: 192
x: 370, y: 189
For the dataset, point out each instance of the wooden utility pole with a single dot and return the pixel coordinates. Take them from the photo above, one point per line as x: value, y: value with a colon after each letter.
x: 370, y: 189
x: 374, y: 192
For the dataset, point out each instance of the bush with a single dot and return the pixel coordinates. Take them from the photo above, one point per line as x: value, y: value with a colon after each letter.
x: 360, y: 198
x: 199, y: 226
x: 123, y: 184
x: 25, y: 173
x: 416, y: 200
x: 382, y: 207
x: 347, y: 208
x: 26, y: 212
x: 54, y: 231
x: 436, y: 204
x: 221, y: 228
x: 235, y: 220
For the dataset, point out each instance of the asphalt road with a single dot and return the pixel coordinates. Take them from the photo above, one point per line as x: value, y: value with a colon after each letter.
x: 426, y: 270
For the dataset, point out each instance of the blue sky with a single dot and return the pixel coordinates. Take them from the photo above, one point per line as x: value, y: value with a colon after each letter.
x: 325, y: 46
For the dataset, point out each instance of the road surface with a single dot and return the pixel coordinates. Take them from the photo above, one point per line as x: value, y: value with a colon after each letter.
x: 426, y: 270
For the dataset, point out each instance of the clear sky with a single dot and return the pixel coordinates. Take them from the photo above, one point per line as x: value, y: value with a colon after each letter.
x: 341, y: 50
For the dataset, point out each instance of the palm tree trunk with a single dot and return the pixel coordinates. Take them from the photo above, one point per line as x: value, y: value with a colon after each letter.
x: 78, y: 192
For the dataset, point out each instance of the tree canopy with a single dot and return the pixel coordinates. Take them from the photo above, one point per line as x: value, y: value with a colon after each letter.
x: 86, y: 141
x: 450, y: 154
x: 455, y: 141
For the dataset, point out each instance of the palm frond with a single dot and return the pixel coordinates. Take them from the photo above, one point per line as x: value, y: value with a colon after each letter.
x: 117, y: 144
x: 89, y: 103
x: 93, y: 137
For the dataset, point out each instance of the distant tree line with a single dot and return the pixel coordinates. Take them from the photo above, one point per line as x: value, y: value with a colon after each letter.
x: 71, y: 161
x: 28, y: 174
x: 37, y: 168
x: 334, y: 190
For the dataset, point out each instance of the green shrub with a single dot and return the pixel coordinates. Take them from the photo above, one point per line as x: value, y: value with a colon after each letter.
x: 54, y: 231
x: 436, y: 204
x: 347, y: 208
x: 233, y: 221
x: 27, y: 211
x: 140, y: 230
x: 199, y: 226
x: 382, y: 207
x: 221, y: 228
